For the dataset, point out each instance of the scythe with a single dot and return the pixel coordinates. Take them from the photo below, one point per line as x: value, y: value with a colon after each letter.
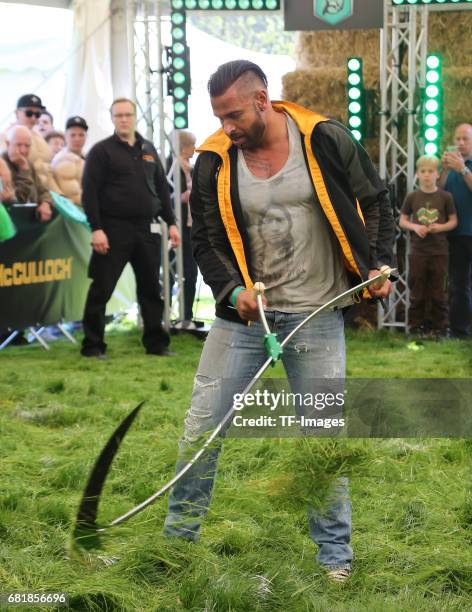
x: 86, y: 527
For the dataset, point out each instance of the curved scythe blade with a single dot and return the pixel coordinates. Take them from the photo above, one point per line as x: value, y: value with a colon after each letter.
x: 86, y: 521
x: 382, y: 276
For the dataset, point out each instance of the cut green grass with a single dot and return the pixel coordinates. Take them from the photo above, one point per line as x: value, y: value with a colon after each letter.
x: 412, y: 499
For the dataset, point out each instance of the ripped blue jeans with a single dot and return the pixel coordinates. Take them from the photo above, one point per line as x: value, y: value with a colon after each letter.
x: 231, y: 356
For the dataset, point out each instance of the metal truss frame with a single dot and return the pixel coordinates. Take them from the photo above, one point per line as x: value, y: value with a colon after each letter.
x: 144, y: 23
x: 403, y: 51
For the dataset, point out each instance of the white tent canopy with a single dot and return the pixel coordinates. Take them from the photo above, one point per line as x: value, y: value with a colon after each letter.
x: 98, y: 67
x: 49, y: 3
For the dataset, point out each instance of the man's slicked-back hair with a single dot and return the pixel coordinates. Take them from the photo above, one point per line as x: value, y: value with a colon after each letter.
x: 229, y: 73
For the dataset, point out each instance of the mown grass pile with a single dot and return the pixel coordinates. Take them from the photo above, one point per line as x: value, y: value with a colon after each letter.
x: 412, y: 499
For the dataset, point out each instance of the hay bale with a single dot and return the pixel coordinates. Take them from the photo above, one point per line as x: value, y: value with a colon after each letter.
x: 319, y: 89
x: 457, y: 85
x: 319, y: 83
x: 323, y: 90
x: 449, y: 34
x: 323, y: 49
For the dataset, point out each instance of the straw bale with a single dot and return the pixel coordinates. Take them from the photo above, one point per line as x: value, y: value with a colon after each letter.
x: 323, y: 49
x: 323, y: 90
x: 319, y: 83
x: 457, y: 109
x: 449, y: 34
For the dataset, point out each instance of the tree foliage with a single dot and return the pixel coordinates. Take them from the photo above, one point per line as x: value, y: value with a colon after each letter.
x: 263, y: 33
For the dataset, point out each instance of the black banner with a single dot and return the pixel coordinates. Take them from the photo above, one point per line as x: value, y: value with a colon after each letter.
x: 333, y: 14
x: 43, y: 272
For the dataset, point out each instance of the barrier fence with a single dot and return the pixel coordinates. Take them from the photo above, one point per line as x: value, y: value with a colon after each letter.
x: 43, y: 272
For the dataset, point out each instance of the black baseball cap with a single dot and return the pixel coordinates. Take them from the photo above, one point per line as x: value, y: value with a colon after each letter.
x: 76, y: 122
x: 30, y: 100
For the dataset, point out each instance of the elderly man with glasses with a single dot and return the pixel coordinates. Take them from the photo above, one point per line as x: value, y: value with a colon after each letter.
x: 29, y: 109
x: 26, y: 184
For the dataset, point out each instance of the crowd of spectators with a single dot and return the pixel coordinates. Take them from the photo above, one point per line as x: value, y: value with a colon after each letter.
x: 36, y: 158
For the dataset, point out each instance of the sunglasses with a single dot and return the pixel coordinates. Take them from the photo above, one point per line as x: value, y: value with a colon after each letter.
x: 31, y: 113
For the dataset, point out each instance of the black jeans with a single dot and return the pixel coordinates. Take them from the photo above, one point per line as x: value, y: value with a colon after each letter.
x: 130, y: 241
x: 460, y: 273
x: 427, y: 283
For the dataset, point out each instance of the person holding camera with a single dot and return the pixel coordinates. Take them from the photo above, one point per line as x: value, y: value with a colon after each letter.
x: 456, y: 178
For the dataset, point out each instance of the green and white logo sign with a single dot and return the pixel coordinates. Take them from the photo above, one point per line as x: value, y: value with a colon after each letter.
x: 333, y: 11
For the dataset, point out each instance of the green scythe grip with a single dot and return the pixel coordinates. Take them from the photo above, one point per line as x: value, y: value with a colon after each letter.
x: 273, y: 348
x: 271, y: 344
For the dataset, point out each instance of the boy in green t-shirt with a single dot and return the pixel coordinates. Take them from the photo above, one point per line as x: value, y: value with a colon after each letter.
x: 429, y: 212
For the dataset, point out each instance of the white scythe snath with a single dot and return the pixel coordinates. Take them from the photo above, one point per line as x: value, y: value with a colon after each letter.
x: 87, y: 514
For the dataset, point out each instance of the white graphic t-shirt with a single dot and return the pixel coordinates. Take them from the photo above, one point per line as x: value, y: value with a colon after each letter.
x: 294, y: 251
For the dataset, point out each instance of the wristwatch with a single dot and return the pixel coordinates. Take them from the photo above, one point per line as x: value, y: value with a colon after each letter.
x: 465, y: 170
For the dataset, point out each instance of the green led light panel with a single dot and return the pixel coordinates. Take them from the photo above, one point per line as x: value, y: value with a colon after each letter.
x: 428, y: 2
x: 355, y: 98
x: 179, y: 79
x: 432, y: 111
x: 226, y: 5
x: 179, y: 84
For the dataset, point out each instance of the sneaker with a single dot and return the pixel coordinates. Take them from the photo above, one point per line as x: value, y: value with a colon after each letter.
x: 338, y: 574
x: 187, y: 325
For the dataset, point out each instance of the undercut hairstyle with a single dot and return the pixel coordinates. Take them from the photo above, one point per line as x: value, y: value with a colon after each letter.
x: 427, y: 160
x: 229, y: 73
x: 133, y: 104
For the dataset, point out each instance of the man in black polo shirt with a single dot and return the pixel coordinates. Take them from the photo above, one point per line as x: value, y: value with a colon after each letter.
x: 124, y: 192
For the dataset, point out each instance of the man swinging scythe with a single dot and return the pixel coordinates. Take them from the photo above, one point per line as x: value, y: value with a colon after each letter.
x: 281, y: 155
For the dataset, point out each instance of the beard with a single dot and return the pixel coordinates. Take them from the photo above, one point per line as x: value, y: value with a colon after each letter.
x: 253, y: 135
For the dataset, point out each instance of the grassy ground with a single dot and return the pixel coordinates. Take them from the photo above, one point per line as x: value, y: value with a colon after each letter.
x: 412, y: 499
